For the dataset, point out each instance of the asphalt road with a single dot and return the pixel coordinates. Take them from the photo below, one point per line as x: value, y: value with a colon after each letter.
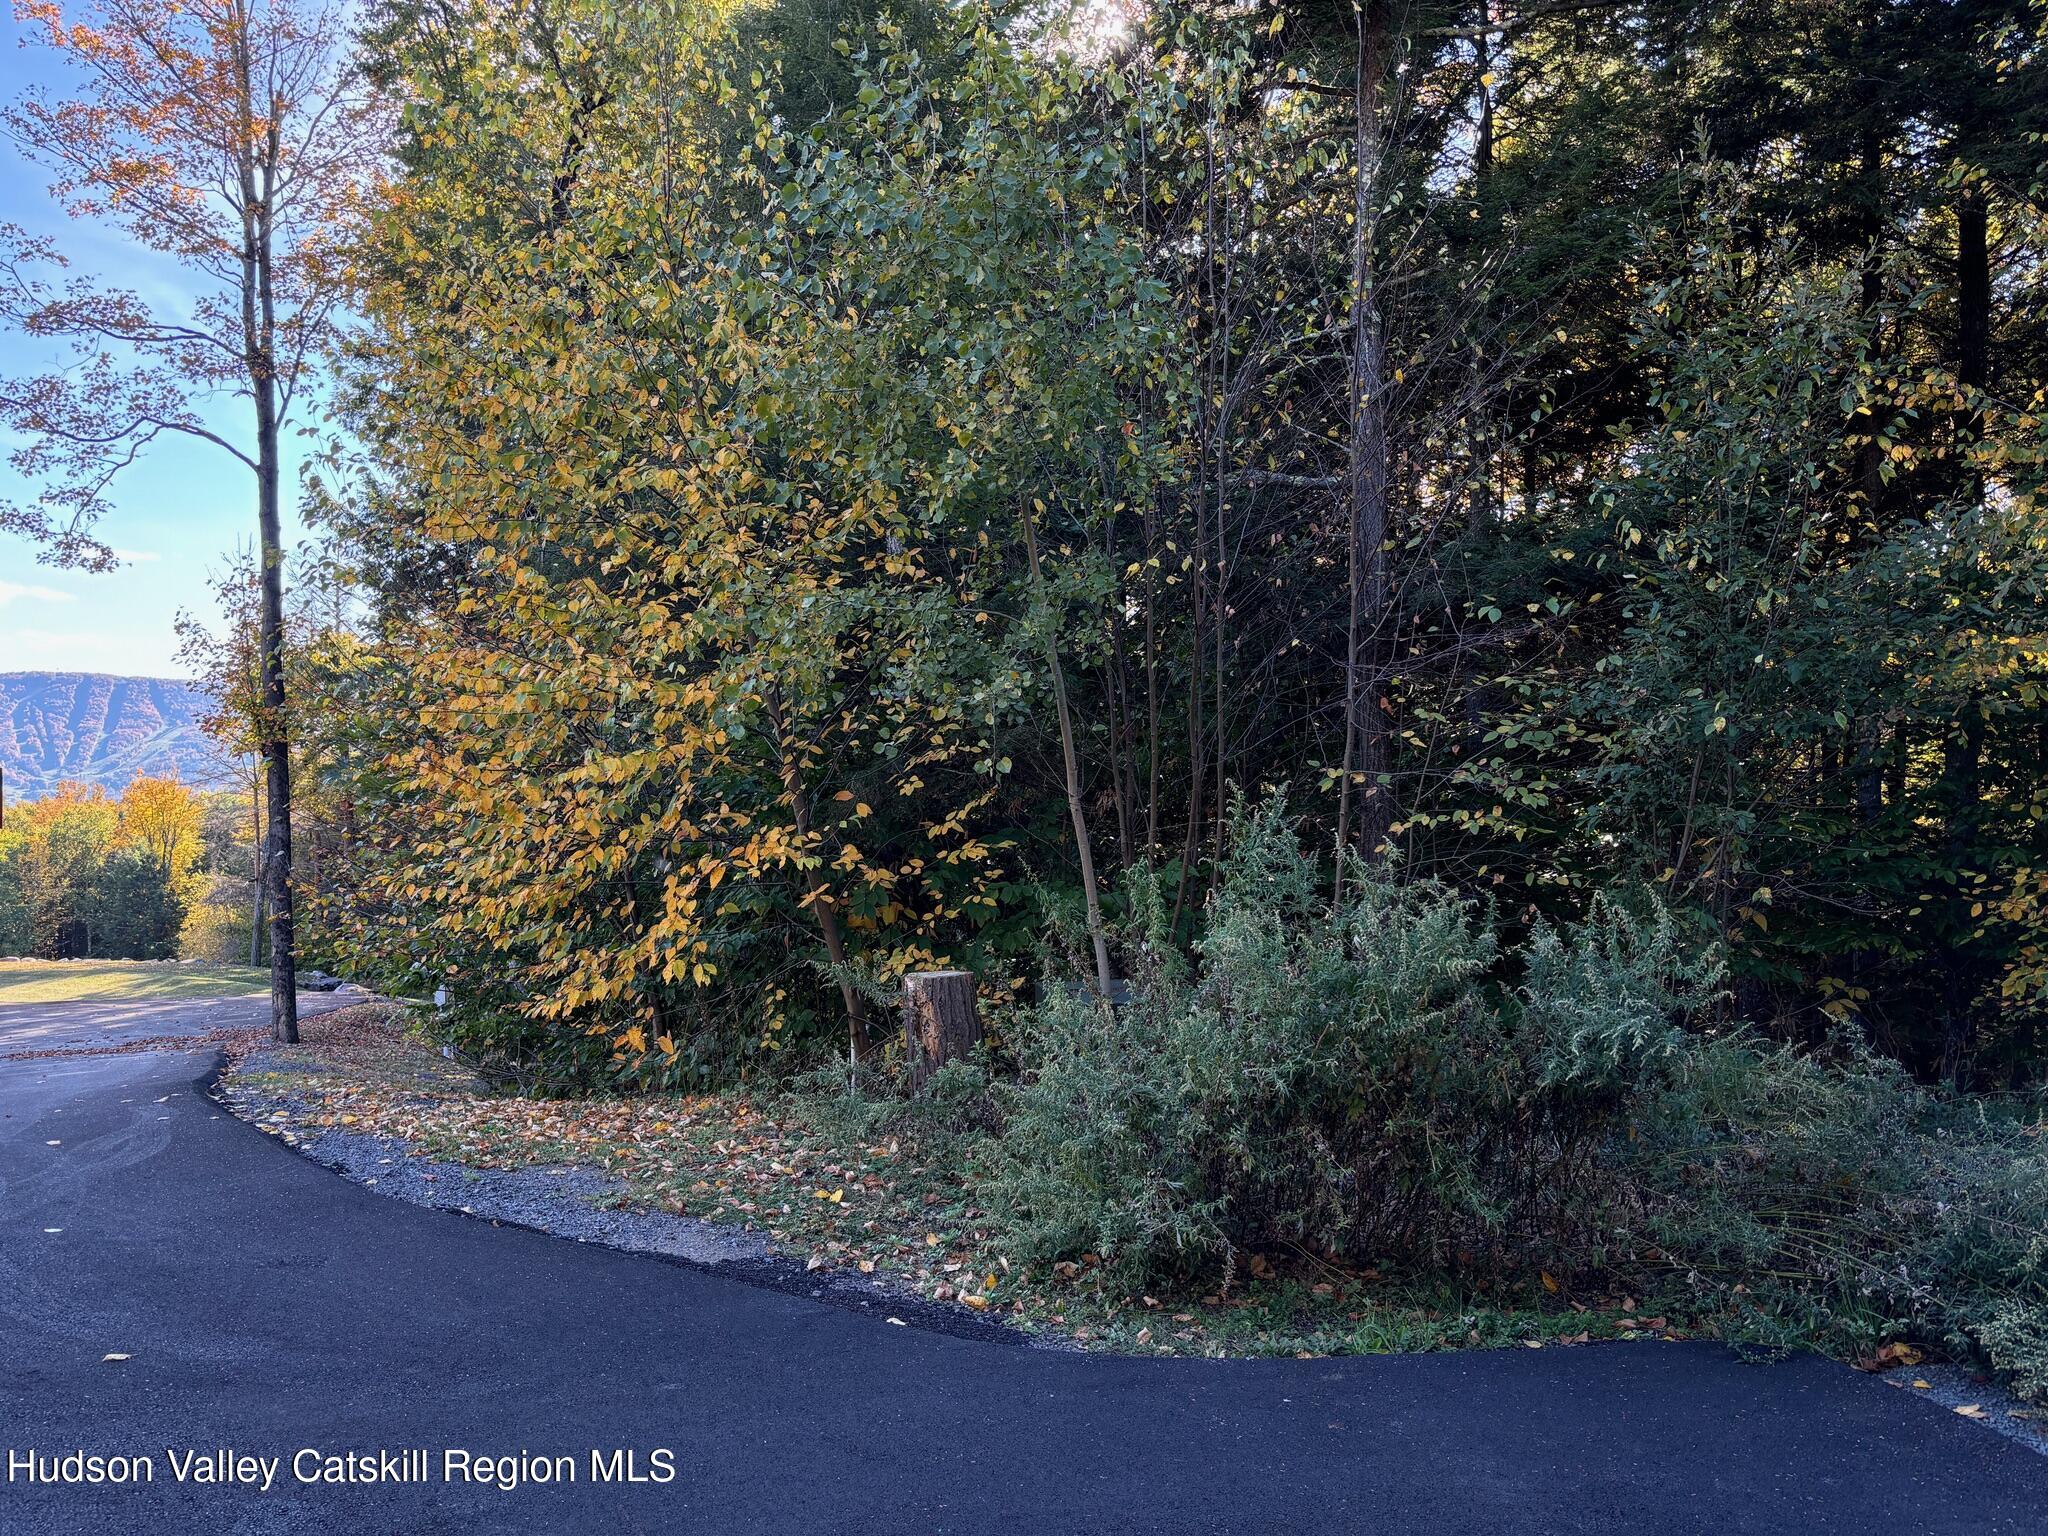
x: 270, y: 1307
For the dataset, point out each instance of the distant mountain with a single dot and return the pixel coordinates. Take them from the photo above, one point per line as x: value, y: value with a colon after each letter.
x: 96, y: 729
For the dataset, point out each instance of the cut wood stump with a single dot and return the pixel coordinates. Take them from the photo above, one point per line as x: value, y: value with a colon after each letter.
x: 940, y: 1022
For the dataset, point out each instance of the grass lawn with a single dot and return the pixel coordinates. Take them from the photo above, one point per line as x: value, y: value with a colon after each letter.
x: 72, y: 981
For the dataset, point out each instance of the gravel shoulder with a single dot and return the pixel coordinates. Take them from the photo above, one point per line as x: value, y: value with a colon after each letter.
x: 1983, y: 1402
x: 583, y: 1204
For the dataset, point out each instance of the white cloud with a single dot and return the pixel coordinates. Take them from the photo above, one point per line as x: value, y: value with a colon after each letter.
x: 10, y: 590
x: 136, y: 556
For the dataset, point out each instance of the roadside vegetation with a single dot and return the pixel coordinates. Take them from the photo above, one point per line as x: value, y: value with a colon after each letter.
x: 1374, y: 1131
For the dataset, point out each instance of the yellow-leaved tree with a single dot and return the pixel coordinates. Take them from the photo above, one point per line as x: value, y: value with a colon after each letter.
x: 706, y: 690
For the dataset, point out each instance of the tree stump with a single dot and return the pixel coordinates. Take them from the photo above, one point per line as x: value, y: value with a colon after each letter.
x: 940, y: 1023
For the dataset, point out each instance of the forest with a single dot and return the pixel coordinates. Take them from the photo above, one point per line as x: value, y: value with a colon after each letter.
x: 832, y: 490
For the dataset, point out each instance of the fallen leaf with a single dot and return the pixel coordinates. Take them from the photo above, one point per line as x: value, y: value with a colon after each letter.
x: 1923, y: 1385
x: 1899, y: 1354
x: 979, y: 1303
x: 1549, y: 1281
x: 1972, y: 1411
x: 105, y: 1358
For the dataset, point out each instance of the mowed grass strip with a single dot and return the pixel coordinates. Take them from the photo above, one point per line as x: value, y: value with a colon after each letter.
x: 121, y: 981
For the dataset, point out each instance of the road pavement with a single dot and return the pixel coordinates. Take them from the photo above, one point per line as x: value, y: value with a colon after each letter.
x: 271, y: 1310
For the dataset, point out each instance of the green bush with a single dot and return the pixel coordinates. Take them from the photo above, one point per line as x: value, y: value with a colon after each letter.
x: 1981, y: 1249
x: 1377, y: 1081
x: 216, y: 926
x: 1778, y: 1186
x: 1351, y: 1080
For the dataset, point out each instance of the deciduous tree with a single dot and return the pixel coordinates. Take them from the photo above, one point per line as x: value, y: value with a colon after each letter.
x: 224, y: 135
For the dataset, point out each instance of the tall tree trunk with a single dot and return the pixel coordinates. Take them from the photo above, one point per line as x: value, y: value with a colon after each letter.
x: 1865, y: 755
x: 260, y: 154
x: 1482, y: 430
x: 1151, y: 683
x: 277, y: 857
x: 1963, y: 756
x: 1098, y: 937
x: 1962, y: 768
x: 1365, y: 722
x: 1973, y: 309
x: 1870, y: 460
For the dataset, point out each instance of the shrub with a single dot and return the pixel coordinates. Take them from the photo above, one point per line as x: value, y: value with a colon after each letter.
x: 1349, y: 1079
x: 946, y: 1117
x: 1982, y: 1243
x: 1777, y: 1185
x: 1378, y: 1081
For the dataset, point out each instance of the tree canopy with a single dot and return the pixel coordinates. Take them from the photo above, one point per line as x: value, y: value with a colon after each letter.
x: 836, y: 488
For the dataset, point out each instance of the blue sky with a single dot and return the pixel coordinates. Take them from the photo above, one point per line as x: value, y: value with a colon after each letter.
x: 180, y: 513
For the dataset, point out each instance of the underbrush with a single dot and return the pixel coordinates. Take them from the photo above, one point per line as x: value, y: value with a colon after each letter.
x: 1352, y: 1126
x: 1377, y: 1091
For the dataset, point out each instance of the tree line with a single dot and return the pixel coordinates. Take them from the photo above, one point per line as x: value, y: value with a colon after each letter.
x: 844, y: 484
x: 159, y: 872
x: 826, y: 492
